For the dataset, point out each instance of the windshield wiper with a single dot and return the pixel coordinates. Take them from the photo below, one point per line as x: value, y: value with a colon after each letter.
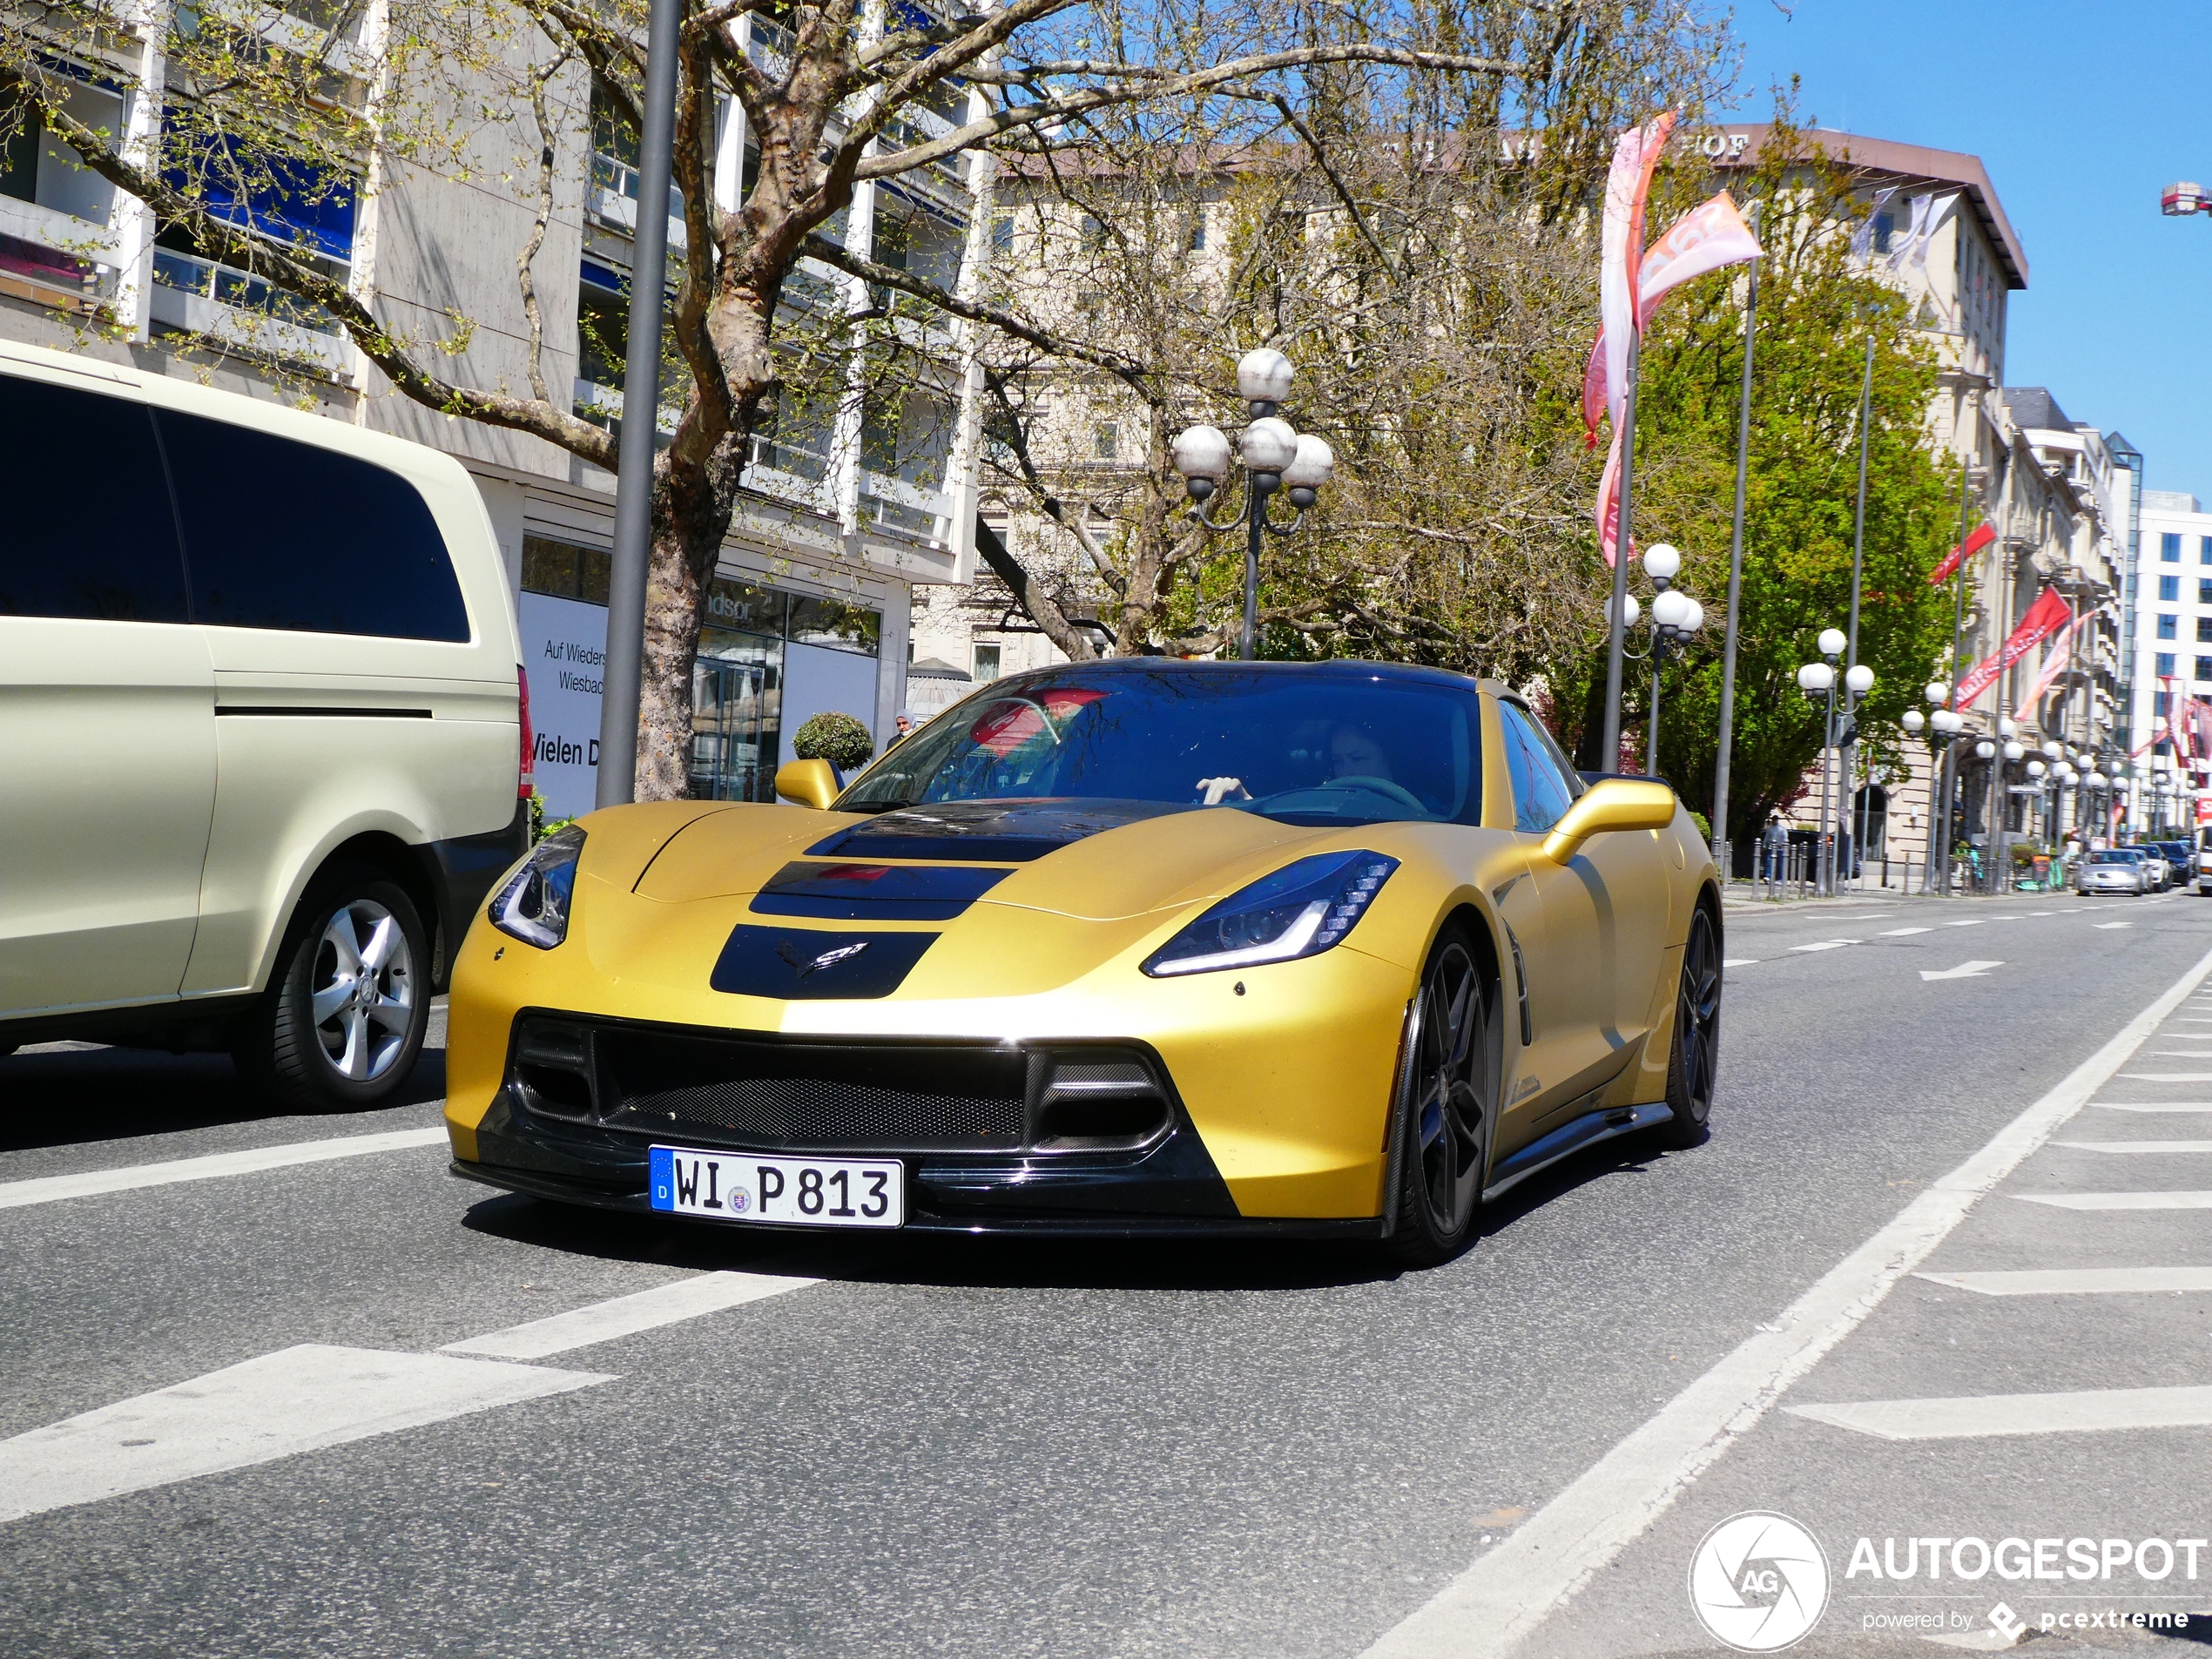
x: 894, y: 804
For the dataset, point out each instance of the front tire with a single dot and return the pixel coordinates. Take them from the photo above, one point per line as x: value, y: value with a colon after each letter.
x: 1693, y: 1054
x: 1447, y: 1106
x: 343, y: 1019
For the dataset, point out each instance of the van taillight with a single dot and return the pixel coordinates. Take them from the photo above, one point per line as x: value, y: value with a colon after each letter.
x: 528, y: 785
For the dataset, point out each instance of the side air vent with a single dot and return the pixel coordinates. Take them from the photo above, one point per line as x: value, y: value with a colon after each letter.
x: 1099, y: 1102
x: 553, y: 1068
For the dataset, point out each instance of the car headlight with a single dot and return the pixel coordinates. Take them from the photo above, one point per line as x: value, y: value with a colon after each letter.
x: 1300, y: 910
x: 532, y: 905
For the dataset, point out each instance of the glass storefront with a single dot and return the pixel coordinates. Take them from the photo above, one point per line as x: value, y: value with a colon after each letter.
x: 764, y: 653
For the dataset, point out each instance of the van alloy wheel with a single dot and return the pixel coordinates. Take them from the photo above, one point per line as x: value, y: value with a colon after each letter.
x: 363, y: 990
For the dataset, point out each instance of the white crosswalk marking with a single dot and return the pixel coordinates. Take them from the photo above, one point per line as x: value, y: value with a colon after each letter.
x: 1740, y: 961
x: 2118, y: 1200
x: 2153, y: 1105
x: 47, y: 1189
x: 2080, y: 1281
x: 1826, y: 944
x: 687, y: 1298
x: 1899, y: 933
x: 299, y: 1400
x: 2168, y: 1076
x: 1982, y: 1415
x: 2143, y: 1148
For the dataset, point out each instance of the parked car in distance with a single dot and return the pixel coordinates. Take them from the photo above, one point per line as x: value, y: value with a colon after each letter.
x: 261, y: 721
x: 2155, y: 868
x: 2113, y: 869
x: 2180, y: 863
x: 2201, y: 868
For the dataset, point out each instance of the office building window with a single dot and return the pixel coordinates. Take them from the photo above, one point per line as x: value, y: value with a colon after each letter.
x: 2204, y: 549
x: 2169, y: 588
x: 563, y: 571
x: 2204, y: 593
x: 2165, y: 671
x: 2166, y: 625
x: 986, y: 662
x: 2164, y: 703
x: 2204, y: 631
x: 2204, y: 668
x: 2170, y: 547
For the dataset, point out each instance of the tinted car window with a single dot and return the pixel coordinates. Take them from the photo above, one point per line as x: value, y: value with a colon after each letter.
x: 1540, y: 791
x: 1308, y: 748
x: 88, y: 531
x: 290, y: 535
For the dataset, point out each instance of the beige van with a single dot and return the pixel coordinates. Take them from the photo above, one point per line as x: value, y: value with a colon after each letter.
x: 263, y: 747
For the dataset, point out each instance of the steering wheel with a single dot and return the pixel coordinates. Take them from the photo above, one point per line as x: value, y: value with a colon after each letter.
x: 1382, y: 786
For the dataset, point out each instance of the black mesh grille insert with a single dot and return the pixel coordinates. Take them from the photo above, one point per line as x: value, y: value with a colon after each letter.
x: 818, y: 1097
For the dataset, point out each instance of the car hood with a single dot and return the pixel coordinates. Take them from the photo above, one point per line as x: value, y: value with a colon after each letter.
x: 1094, y: 859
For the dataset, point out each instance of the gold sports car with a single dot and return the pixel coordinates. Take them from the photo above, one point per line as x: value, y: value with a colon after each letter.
x: 1121, y: 948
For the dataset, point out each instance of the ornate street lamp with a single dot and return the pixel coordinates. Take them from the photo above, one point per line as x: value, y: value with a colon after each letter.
x: 1675, y: 618
x: 1273, y: 456
x: 1817, y: 678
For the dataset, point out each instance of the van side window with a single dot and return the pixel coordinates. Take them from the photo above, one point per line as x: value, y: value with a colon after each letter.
x: 87, y: 531
x: 291, y: 535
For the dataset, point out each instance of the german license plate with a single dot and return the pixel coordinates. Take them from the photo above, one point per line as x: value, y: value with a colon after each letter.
x: 812, y: 1192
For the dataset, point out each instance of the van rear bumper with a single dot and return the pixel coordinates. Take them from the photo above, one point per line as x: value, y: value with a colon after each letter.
x: 462, y: 871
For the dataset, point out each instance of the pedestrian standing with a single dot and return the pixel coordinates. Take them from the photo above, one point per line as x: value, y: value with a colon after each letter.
x: 1775, y: 844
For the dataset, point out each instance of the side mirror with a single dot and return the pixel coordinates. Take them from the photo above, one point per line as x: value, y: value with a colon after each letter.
x: 1616, y: 804
x: 808, y: 783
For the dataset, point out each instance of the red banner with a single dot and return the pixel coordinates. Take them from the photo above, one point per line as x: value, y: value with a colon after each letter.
x: 1982, y: 536
x: 2048, y: 612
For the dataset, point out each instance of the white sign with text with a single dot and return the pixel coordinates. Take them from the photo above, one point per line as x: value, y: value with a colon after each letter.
x: 564, y: 648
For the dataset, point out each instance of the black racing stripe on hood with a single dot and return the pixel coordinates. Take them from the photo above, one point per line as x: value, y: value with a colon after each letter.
x: 849, y: 892
x: 988, y: 832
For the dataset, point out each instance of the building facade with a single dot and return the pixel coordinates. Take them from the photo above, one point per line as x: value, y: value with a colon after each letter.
x: 840, y: 521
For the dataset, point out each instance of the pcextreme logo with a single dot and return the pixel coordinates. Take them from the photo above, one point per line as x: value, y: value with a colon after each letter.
x: 1759, y: 1581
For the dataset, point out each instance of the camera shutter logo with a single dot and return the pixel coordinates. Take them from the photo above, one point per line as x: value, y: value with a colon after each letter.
x: 1758, y: 1582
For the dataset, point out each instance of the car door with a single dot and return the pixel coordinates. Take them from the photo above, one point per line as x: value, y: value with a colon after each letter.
x: 1604, y: 920
x: 107, y: 739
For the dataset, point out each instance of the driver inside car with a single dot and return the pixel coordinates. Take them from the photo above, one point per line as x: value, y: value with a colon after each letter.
x: 1353, y: 752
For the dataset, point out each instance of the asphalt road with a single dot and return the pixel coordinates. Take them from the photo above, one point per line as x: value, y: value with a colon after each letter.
x: 964, y: 1448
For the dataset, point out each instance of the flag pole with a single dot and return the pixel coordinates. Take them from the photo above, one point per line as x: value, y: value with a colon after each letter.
x: 1621, y: 544
x: 1848, y: 758
x: 1735, y: 585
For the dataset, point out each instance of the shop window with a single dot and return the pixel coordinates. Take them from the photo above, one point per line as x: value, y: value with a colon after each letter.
x: 835, y: 624
x: 564, y: 570
x: 740, y: 607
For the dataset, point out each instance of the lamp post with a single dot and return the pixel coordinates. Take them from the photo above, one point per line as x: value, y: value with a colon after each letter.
x: 1942, y: 724
x: 1815, y: 677
x: 1675, y: 618
x: 1273, y: 456
x: 1858, y: 679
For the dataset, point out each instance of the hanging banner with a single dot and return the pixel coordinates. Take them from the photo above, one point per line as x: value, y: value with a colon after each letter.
x: 1979, y: 537
x: 2054, y: 662
x: 2048, y: 612
x: 1706, y: 239
x: 1626, y: 187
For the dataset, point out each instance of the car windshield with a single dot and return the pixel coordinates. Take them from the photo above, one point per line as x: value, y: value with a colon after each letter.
x: 2115, y: 855
x: 1305, y: 747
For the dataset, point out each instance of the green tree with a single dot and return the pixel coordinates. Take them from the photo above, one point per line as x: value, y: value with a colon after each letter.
x: 1816, y: 311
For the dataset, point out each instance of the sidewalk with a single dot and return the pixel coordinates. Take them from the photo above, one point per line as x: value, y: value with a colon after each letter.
x: 1745, y: 895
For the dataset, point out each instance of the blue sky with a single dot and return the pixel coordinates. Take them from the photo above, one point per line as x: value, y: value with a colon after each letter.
x: 2081, y: 113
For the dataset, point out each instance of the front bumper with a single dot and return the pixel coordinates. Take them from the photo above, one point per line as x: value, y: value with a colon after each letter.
x: 1085, y: 1138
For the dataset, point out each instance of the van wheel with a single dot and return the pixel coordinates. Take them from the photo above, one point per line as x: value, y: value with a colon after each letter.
x: 341, y: 1025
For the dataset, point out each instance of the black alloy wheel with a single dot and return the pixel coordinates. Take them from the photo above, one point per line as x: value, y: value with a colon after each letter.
x: 1694, y: 1057
x: 1447, y: 1106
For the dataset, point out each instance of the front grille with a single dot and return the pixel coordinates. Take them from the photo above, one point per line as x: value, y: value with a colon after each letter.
x: 813, y: 1095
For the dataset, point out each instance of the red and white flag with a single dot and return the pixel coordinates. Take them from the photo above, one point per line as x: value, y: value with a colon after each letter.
x: 1979, y: 537
x: 2054, y: 662
x: 1626, y: 188
x: 2049, y: 612
x: 1709, y: 236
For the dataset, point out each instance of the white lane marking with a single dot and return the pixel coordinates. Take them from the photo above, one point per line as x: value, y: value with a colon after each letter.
x: 298, y: 1400
x: 2124, y: 1147
x: 2118, y: 1200
x: 1899, y: 933
x: 1739, y: 961
x: 1979, y: 1416
x: 622, y: 1316
x: 1826, y: 944
x: 1975, y: 923
x: 2109, y: 924
x: 2167, y: 1076
x: 2079, y: 1281
x: 1490, y: 1608
x: 2180, y: 1054
x: 2154, y: 1105
x: 1976, y: 969
x: 49, y: 1187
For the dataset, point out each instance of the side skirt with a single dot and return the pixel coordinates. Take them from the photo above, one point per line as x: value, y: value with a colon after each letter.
x: 1587, y: 1131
